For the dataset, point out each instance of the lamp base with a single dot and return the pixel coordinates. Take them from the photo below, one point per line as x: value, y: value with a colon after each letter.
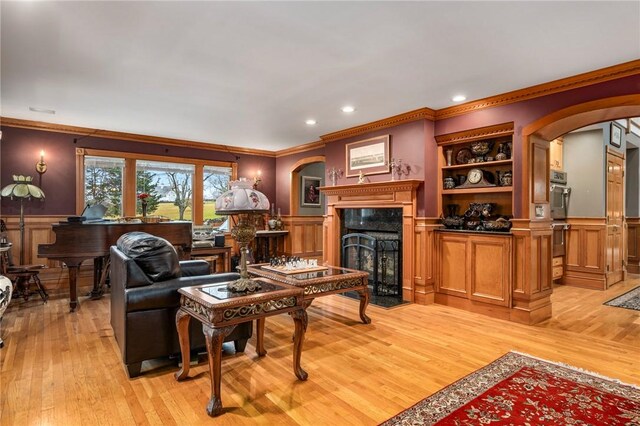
x: 243, y: 284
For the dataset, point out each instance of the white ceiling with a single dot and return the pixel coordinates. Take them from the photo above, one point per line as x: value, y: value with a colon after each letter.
x: 250, y: 73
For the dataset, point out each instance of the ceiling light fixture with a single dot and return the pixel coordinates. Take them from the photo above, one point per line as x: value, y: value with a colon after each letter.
x: 347, y: 109
x: 42, y: 110
x: 311, y: 122
x: 459, y: 98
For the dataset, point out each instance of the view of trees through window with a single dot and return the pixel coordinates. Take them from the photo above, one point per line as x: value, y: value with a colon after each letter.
x: 103, y: 183
x: 216, y: 181
x: 169, y: 186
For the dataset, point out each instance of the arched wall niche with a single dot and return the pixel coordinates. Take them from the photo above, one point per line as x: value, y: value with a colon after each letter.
x: 294, y: 175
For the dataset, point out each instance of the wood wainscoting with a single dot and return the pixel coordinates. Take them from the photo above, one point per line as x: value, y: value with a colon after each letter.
x: 633, y: 245
x: 305, y: 236
x: 37, y: 230
x: 424, y: 261
x: 585, y: 264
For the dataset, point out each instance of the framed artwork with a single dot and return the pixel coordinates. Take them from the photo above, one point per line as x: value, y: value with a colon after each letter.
x: 370, y: 156
x: 310, y: 194
x: 616, y: 134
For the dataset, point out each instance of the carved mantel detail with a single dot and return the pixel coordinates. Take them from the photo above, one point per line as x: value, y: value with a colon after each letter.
x: 392, y: 194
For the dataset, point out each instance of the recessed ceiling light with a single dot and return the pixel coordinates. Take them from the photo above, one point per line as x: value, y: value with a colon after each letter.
x: 42, y: 110
x: 347, y: 108
x: 311, y: 122
x: 459, y: 98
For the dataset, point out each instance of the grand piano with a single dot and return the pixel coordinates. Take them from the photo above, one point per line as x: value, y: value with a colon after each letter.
x: 77, y: 242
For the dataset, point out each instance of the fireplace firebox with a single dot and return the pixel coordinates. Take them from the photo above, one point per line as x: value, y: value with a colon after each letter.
x: 372, y: 242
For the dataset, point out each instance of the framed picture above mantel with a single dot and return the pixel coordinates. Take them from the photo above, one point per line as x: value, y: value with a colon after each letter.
x: 369, y: 156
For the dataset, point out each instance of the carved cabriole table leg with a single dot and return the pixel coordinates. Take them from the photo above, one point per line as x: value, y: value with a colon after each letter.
x: 260, y: 337
x: 364, y: 301
x: 300, y: 320
x: 214, y: 338
x: 182, y: 324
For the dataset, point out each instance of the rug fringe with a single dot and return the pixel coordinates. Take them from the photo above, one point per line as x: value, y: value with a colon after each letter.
x: 578, y: 369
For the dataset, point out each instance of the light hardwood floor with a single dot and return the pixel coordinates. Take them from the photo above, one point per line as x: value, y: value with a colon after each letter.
x: 59, y: 368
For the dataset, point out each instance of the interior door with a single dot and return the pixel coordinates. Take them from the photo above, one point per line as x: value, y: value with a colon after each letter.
x: 615, y: 218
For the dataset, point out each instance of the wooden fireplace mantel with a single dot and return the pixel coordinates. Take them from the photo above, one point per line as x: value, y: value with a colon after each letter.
x: 391, y: 194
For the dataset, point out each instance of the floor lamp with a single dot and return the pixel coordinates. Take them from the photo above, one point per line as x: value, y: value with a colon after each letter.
x: 22, y: 188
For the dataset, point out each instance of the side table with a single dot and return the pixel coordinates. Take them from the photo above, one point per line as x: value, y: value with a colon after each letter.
x: 220, y: 311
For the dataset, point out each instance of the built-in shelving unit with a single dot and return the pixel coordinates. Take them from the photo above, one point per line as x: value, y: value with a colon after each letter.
x: 454, y: 148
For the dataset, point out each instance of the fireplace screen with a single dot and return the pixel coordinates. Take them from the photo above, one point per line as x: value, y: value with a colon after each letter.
x: 377, y: 253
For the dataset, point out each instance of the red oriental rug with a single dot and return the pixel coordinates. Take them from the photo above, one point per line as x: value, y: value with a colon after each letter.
x: 519, y: 389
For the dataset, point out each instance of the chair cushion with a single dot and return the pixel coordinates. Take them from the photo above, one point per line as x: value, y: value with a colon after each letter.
x: 154, y: 255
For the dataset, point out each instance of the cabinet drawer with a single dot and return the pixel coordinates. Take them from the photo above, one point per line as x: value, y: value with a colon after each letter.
x: 557, y: 261
x: 557, y: 272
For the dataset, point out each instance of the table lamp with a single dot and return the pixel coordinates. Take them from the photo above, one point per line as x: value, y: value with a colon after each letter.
x: 248, y: 204
x: 22, y: 188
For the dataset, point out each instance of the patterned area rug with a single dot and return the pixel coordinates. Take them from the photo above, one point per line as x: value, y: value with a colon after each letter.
x: 518, y: 389
x: 629, y: 300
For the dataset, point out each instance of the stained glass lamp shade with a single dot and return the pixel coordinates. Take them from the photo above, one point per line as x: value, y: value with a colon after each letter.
x: 22, y: 189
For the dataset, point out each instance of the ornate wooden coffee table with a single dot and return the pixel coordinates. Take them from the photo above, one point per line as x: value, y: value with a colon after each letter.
x: 332, y: 280
x: 220, y: 311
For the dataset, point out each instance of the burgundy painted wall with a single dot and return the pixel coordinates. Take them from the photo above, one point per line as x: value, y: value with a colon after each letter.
x: 20, y: 151
x: 409, y: 142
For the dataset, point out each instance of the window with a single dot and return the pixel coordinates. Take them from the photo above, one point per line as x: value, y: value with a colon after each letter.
x: 215, y: 182
x: 169, y: 186
x: 103, y: 178
x: 177, y: 188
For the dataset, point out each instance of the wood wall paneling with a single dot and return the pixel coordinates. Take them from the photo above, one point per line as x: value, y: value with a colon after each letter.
x: 586, y: 248
x: 305, y: 236
x: 424, y: 259
x: 490, y: 273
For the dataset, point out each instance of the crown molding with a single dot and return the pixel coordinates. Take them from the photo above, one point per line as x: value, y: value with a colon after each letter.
x: 418, y: 114
x: 581, y: 80
x: 493, y: 131
x: 300, y: 148
x: 108, y: 134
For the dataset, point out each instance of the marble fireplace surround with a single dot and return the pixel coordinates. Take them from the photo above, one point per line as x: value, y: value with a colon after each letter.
x: 392, y: 194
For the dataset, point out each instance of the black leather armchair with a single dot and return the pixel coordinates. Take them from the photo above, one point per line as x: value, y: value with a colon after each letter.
x: 145, y: 277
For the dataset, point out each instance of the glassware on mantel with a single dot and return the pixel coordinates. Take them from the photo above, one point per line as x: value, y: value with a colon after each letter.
x: 334, y: 174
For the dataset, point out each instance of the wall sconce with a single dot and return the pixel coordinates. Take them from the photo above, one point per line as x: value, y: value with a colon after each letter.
x: 257, y: 179
x: 41, y: 166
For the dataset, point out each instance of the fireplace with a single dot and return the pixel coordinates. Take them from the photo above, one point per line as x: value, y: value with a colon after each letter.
x: 372, y: 242
x: 394, y: 195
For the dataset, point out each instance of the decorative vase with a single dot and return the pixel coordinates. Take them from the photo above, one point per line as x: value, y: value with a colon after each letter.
x: 6, y: 289
x: 143, y: 203
x: 272, y: 224
x: 449, y: 156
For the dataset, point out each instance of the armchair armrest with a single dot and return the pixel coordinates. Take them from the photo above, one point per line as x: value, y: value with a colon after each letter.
x: 193, y: 268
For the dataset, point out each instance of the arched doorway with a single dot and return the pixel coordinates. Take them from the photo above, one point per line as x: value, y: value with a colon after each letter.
x: 532, y: 232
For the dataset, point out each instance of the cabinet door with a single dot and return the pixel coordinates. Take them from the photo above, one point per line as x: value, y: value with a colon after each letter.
x: 490, y: 274
x: 452, y: 265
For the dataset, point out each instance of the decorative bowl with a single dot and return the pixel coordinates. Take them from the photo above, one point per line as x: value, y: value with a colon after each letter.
x: 452, y: 222
x: 481, y: 147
